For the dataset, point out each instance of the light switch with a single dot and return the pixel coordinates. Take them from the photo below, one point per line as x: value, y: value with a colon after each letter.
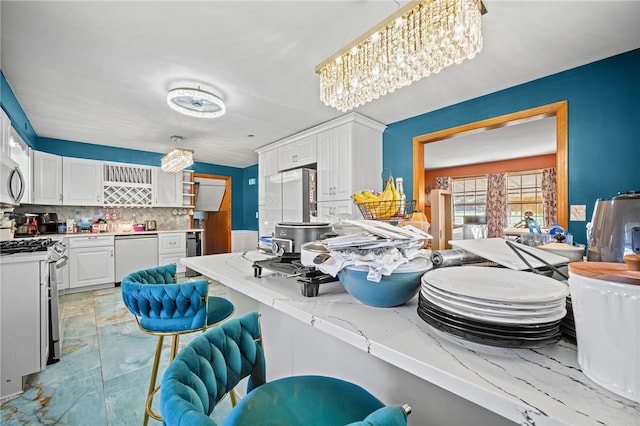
x: 578, y: 213
x: 252, y: 181
x: 257, y: 216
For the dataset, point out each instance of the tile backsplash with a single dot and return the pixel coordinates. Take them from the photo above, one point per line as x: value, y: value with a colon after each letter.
x: 167, y: 218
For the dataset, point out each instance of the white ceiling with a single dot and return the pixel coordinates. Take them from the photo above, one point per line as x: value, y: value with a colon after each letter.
x: 99, y: 72
x: 523, y: 139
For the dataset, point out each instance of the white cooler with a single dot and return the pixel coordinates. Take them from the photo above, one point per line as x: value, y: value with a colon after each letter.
x: 606, y: 308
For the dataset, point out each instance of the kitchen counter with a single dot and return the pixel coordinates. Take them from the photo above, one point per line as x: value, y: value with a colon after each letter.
x: 528, y: 386
x: 90, y: 234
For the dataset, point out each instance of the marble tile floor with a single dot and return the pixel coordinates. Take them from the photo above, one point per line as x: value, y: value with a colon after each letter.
x: 103, y: 375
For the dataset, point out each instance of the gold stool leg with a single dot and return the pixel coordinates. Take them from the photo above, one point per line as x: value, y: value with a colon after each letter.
x: 154, y: 376
x: 153, y: 389
x: 234, y: 397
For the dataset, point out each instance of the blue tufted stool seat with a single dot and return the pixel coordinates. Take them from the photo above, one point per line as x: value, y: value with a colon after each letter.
x: 213, y: 364
x: 163, y: 307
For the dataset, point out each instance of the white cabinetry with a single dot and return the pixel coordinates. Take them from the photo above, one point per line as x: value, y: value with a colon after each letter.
x: 172, y: 247
x: 167, y: 188
x: 267, y: 166
x: 5, y: 125
x: 188, y: 194
x: 81, y: 182
x: 297, y: 153
x: 349, y: 160
x: 127, y: 185
x: 91, y: 261
x: 22, y: 306
x: 47, y: 178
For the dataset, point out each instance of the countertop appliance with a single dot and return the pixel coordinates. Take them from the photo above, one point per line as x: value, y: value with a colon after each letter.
x: 26, y: 224
x: 47, y: 223
x: 290, y: 236
x: 150, y: 225
x: 12, y: 182
x: 615, y: 228
x: 135, y: 252
x: 290, y: 196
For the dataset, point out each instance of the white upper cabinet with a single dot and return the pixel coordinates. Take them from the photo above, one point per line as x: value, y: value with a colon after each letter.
x: 267, y: 166
x: 167, y: 189
x: 47, y: 178
x: 349, y: 158
x: 81, y: 182
x: 298, y: 153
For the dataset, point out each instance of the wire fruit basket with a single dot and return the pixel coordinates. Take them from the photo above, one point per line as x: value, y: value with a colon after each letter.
x: 387, y: 210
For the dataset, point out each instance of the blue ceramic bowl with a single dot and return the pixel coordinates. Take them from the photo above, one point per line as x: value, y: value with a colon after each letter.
x: 392, y: 290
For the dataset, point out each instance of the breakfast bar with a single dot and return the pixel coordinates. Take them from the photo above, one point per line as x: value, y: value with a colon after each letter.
x: 393, y: 353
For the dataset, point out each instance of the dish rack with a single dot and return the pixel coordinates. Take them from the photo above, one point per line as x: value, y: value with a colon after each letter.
x: 387, y: 210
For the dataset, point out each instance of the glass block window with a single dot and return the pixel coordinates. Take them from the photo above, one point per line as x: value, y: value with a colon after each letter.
x: 469, y: 197
x: 524, y: 193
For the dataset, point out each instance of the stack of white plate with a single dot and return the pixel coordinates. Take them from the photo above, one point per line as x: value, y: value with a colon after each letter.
x: 494, y: 306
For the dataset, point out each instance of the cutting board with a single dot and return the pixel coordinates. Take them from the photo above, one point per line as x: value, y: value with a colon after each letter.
x: 496, y: 250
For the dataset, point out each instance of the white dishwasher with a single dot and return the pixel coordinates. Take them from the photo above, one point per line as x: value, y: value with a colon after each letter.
x: 135, y: 252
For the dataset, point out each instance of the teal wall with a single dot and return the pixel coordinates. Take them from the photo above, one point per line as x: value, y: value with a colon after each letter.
x: 604, y: 134
x: 244, y: 198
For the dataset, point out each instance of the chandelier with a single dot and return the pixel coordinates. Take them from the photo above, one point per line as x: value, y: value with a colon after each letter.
x: 419, y: 39
x: 195, y: 102
x: 178, y: 158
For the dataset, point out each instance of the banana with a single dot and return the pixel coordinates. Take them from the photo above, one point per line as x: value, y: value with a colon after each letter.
x: 384, y: 209
x: 360, y: 198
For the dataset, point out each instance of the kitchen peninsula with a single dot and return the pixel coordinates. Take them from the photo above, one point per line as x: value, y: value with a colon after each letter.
x: 400, y: 359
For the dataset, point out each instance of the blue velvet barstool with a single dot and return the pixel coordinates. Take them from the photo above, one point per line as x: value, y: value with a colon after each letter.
x: 213, y: 364
x: 163, y: 307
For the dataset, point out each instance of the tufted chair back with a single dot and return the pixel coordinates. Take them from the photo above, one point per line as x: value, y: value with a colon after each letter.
x: 209, y: 367
x: 162, y: 305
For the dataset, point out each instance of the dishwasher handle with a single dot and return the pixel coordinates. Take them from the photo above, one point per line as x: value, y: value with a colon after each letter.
x: 134, y: 237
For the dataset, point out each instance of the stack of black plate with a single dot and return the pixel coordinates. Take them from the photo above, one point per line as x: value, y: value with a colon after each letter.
x: 494, y: 306
x: 568, y: 324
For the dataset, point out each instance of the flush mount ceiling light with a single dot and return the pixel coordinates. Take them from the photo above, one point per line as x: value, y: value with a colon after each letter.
x: 419, y: 39
x: 178, y: 158
x: 195, y: 102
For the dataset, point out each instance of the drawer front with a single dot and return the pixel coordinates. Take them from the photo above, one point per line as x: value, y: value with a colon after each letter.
x: 172, y: 243
x: 91, y: 241
x: 166, y: 259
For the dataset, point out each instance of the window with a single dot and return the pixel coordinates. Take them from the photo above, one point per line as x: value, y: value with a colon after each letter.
x: 469, y: 197
x: 524, y: 194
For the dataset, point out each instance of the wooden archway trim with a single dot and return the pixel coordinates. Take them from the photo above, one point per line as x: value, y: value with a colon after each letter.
x: 557, y: 109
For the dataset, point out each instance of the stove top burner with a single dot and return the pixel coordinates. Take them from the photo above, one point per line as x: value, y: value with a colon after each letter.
x: 25, y: 246
x: 289, y: 264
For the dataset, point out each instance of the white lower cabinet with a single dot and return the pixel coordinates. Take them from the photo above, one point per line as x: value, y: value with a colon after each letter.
x: 172, y: 247
x: 91, y: 261
x: 334, y: 211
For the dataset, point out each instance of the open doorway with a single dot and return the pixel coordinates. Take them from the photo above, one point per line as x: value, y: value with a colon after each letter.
x: 213, y: 212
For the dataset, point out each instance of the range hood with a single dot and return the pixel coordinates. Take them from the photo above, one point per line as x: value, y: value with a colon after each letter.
x: 209, y: 193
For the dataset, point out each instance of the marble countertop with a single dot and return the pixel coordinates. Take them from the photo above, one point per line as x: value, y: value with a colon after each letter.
x: 528, y: 386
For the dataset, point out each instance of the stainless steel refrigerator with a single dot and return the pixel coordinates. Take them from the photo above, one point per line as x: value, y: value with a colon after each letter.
x: 290, y: 196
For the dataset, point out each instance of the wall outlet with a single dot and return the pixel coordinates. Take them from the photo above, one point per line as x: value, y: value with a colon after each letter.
x: 252, y: 181
x: 578, y: 213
